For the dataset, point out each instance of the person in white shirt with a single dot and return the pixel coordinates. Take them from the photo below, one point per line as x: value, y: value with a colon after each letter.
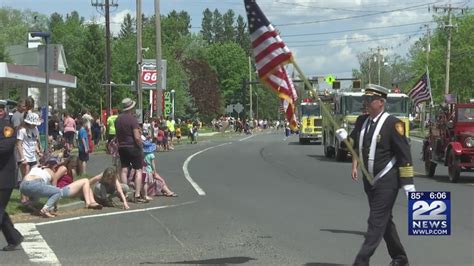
x: 27, y: 146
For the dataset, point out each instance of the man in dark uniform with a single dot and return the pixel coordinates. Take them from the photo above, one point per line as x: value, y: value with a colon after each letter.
x: 7, y: 177
x: 385, y: 152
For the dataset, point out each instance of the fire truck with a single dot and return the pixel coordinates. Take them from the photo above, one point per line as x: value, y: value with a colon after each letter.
x: 450, y: 141
x: 310, y: 122
x: 346, y: 107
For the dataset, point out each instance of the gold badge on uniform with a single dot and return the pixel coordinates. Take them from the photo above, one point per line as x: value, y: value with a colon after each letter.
x: 400, y: 127
x: 8, y: 132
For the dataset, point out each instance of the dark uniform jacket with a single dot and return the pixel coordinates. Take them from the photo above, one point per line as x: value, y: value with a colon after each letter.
x: 391, y: 141
x: 7, y: 156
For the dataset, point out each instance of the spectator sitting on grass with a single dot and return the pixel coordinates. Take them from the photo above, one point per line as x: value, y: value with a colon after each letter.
x: 107, y: 185
x: 70, y: 188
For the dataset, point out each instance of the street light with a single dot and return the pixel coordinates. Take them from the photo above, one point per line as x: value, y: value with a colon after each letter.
x: 172, y: 98
x: 45, y: 36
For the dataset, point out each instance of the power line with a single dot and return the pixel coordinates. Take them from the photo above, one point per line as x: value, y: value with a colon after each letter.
x: 353, y: 17
x: 325, y: 44
x: 327, y: 8
x: 358, y: 29
x: 355, y: 38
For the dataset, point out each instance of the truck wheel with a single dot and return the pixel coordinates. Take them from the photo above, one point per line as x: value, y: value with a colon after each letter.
x: 430, y: 166
x: 341, y: 155
x: 327, y: 148
x: 453, y: 168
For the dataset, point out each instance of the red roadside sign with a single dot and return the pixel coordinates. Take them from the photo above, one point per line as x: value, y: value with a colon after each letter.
x: 148, y: 76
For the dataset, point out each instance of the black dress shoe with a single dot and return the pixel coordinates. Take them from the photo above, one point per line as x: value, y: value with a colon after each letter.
x: 399, y: 263
x: 11, y: 247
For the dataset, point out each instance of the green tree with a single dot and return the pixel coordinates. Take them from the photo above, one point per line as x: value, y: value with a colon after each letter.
x: 217, y: 27
x: 229, y: 31
x: 206, y: 26
x: 89, y: 71
x: 242, y: 36
x: 127, y: 29
x: 230, y: 62
x: 462, y: 50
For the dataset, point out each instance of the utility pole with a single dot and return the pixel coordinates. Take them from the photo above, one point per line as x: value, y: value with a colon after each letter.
x: 251, y: 89
x: 159, y: 89
x: 139, y: 57
x: 448, y: 27
x: 105, y: 7
x: 379, y: 60
x: 370, y: 69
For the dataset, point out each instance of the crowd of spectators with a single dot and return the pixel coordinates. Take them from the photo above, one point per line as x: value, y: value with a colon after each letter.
x: 57, y: 173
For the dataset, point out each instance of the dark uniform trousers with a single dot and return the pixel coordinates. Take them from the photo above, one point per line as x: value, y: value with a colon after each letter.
x: 7, y: 181
x: 11, y: 234
x: 380, y: 225
x: 381, y: 197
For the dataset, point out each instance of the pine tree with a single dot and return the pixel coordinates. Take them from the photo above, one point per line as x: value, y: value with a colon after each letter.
x: 228, y: 26
x: 206, y: 26
x: 217, y: 26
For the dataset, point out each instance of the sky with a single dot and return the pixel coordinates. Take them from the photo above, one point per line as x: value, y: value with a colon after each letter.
x: 325, y: 36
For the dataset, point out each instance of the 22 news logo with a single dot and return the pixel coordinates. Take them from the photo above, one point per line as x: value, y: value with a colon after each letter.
x: 429, y: 213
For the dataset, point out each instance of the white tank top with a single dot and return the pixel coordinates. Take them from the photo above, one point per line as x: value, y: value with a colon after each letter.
x: 42, y: 173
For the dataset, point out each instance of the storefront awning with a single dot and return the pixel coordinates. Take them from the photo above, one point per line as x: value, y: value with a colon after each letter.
x: 17, y: 76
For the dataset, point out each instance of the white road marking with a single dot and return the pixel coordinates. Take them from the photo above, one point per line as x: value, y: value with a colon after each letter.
x: 246, y: 138
x: 198, y: 189
x: 111, y: 214
x: 35, y: 246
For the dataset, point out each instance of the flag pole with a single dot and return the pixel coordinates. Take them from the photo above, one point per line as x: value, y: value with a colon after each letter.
x: 331, y: 120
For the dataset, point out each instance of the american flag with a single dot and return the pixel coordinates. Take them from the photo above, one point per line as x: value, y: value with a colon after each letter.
x: 420, y: 92
x: 271, y: 55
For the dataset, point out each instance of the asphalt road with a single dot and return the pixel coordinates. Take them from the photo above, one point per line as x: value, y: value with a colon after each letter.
x: 268, y: 201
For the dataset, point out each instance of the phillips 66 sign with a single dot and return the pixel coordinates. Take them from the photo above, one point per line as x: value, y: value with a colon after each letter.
x: 149, y: 74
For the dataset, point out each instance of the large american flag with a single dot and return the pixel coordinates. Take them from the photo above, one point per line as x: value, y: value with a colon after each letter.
x: 271, y: 55
x: 420, y: 92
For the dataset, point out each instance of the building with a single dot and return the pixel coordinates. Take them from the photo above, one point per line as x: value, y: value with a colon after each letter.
x: 26, y: 73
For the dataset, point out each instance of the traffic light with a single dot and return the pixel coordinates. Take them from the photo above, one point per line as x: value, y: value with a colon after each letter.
x: 336, y: 85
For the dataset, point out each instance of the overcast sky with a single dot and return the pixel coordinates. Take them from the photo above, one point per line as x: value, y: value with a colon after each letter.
x: 325, y: 36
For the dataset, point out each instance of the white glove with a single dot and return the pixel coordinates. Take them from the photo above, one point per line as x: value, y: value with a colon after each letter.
x: 409, y: 188
x: 341, y: 134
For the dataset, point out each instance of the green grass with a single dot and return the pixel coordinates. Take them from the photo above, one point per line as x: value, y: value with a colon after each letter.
x: 15, y: 207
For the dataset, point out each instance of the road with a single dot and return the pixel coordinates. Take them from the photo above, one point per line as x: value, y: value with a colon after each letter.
x: 265, y: 200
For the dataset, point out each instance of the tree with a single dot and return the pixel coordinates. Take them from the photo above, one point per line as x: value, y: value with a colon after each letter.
x: 230, y: 63
x: 127, y: 29
x: 228, y: 34
x: 206, y: 26
x: 242, y: 36
x: 89, y: 71
x: 204, y: 88
x: 217, y: 26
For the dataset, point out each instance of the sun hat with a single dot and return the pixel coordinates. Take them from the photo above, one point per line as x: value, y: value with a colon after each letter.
x: 3, y: 103
x: 128, y: 104
x: 149, y: 147
x: 32, y: 119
